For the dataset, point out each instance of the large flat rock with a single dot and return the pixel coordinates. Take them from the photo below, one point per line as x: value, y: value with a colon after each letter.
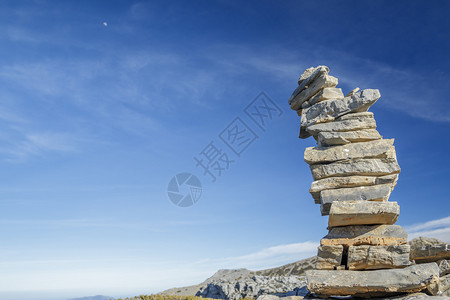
x: 367, y: 257
x: 424, y: 249
x: 345, y: 213
x: 375, y: 283
x: 331, y: 183
x: 360, y: 166
x: 325, y: 94
x: 358, y: 122
x: 371, y: 149
x: 329, y: 110
x: 328, y: 138
x: 379, y: 192
x: 377, y: 235
x: 322, y: 81
x: 306, y: 78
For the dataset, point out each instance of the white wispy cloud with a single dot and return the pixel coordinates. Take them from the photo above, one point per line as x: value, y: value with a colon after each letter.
x: 439, y: 229
x: 267, y: 257
x: 20, y: 144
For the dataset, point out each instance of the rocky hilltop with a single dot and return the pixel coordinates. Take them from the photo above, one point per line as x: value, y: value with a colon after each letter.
x: 288, y: 279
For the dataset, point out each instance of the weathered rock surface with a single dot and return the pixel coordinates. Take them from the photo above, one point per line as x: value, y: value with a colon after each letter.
x: 444, y: 285
x: 273, y: 297
x: 379, y: 192
x: 345, y: 213
x: 329, y: 110
x: 328, y: 138
x: 325, y: 94
x: 252, y: 287
x: 425, y: 249
x: 367, y: 257
x: 358, y: 122
x: 360, y: 166
x: 347, y: 182
x: 372, y: 149
x: 323, y: 81
x: 311, y: 74
x: 356, y: 115
x: 306, y: 78
x: 240, y: 277
x: 444, y: 267
x: 372, y: 283
x: 329, y: 257
x: 382, y: 235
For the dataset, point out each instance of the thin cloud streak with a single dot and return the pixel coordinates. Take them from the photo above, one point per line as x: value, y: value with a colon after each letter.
x: 439, y: 229
x: 267, y: 257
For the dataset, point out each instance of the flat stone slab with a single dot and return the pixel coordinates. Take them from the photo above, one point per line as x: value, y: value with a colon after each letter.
x: 331, y: 183
x: 329, y: 110
x: 329, y: 138
x: 367, y: 257
x: 377, y: 235
x: 345, y: 213
x: 343, y: 125
x: 424, y: 249
x: 325, y: 94
x: 359, y: 166
x: 371, y: 149
x: 329, y: 257
x: 375, y: 283
x: 322, y: 81
x: 306, y: 78
x: 378, y: 192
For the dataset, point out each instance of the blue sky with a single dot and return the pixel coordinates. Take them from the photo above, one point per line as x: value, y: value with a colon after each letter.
x: 103, y: 102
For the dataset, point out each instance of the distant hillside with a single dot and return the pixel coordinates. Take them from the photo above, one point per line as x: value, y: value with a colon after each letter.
x: 293, y: 269
x: 98, y: 297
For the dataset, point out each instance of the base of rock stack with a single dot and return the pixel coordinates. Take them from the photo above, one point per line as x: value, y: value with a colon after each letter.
x: 378, y: 283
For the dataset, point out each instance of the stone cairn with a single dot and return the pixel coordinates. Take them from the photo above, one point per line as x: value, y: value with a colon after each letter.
x: 354, y: 171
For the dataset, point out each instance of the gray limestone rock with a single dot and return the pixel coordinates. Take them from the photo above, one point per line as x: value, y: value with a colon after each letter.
x: 360, y: 166
x: 329, y: 257
x: 329, y: 110
x: 372, y: 149
x: 322, y: 81
x: 352, y: 92
x: 444, y: 285
x: 372, y: 283
x: 367, y: 257
x: 306, y: 78
x: 252, y: 287
x: 346, y: 213
x: 348, y: 182
x: 425, y: 249
x: 382, y: 235
x: 444, y: 267
x: 360, y: 123
x: 356, y: 115
x: 328, y: 138
x: 325, y: 94
x: 379, y: 192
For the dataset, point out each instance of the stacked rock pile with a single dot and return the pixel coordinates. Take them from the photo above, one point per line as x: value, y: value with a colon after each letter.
x: 354, y: 171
